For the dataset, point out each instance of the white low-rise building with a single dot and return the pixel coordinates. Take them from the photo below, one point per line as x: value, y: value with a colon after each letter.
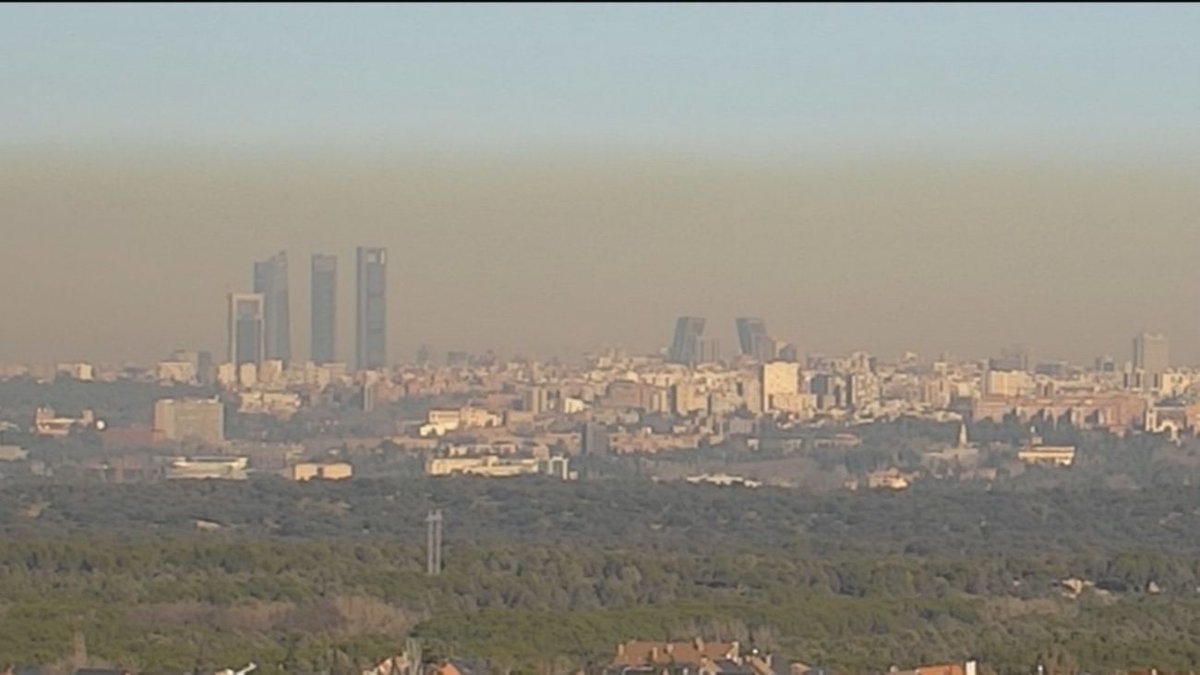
x: 724, y: 479
x: 494, y: 466
x: 198, y: 468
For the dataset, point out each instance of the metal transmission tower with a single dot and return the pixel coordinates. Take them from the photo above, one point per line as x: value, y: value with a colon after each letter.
x: 433, y: 543
x: 412, y: 649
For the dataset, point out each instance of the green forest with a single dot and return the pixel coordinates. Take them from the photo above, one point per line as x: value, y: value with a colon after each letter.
x: 546, y: 577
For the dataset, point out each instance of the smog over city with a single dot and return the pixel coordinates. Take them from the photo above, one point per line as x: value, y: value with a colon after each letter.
x: 677, y: 339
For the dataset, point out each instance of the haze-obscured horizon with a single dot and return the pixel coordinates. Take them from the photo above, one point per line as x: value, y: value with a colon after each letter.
x: 555, y: 180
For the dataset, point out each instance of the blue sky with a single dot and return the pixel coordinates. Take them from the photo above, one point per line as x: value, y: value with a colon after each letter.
x: 768, y: 79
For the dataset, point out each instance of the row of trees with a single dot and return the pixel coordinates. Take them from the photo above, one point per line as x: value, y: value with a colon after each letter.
x: 928, y: 518
x: 170, y: 604
x: 550, y: 575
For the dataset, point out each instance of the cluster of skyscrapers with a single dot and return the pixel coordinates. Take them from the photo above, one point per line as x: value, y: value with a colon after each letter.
x: 259, y: 323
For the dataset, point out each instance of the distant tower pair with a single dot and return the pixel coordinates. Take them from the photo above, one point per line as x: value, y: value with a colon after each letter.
x: 370, y: 326
x: 690, y: 347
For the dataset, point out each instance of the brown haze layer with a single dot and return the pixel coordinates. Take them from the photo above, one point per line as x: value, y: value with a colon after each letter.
x: 125, y: 256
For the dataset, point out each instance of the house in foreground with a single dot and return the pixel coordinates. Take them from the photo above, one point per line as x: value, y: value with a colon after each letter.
x: 694, y: 657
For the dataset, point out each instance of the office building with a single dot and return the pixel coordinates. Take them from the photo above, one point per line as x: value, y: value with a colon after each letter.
x: 594, y: 439
x: 1006, y: 383
x: 194, y: 419
x: 708, y: 350
x: 779, y: 379
x: 753, y: 339
x: 370, y: 335
x: 1017, y: 358
x: 246, y: 329
x: 686, y: 398
x: 271, y: 281
x: 183, y: 372
x: 788, y: 352
x: 829, y: 389
x: 324, y: 308
x: 536, y: 400
x: 321, y: 471
x: 207, y: 468
x: 684, y: 347
x: 1150, y: 353
x: 206, y: 370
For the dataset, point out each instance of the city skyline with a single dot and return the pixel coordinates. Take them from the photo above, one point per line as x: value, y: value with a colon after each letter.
x: 689, y: 345
x: 713, y: 339
x: 748, y: 333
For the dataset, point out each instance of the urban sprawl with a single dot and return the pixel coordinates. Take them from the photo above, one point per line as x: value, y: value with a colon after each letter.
x: 743, y: 419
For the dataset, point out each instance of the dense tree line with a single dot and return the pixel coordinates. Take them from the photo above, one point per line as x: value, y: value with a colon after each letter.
x: 547, y: 576
x: 926, y: 519
x: 166, y: 603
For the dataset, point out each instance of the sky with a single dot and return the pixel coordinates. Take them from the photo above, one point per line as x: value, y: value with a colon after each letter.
x: 551, y: 179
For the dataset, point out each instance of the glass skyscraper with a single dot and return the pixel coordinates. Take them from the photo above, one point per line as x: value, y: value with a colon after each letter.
x: 370, y: 342
x: 324, y: 308
x: 245, y: 328
x: 684, y: 345
x: 754, y: 340
x: 271, y: 280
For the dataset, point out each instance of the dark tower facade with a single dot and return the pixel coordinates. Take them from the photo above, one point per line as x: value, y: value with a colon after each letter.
x: 685, y: 344
x: 271, y: 281
x: 754, y: 340
x: 324, y: 308
x: 370, y: 348
x: 245, y: 323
